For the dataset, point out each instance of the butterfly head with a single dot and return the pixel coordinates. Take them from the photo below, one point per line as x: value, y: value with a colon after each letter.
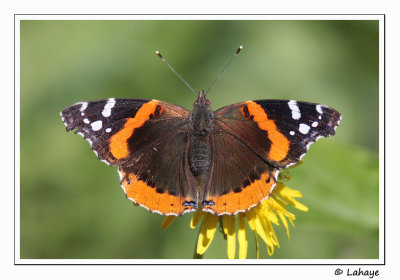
x: 202, y: 101
x: 202, y: 115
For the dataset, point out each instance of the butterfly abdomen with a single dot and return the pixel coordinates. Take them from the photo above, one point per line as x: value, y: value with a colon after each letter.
x: 199, y: 155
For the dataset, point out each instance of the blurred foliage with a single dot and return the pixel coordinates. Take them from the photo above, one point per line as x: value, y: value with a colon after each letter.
x: 71, y: 203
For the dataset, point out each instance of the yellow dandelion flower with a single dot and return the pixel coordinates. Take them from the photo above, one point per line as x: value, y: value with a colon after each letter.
x: 260, y: 219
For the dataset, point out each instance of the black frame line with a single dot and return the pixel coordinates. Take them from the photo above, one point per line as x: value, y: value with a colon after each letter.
x: 206, y: 263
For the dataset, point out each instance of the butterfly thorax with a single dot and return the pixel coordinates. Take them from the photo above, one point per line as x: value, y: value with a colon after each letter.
x: 202, y: 126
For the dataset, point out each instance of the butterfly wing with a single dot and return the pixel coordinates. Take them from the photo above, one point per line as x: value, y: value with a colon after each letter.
x: 253, y: 141
x: 147, y: 139
x: 279, y: 131
x: 238, y: 178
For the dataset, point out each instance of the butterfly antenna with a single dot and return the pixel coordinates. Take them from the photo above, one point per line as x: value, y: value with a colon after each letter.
x: 223, y: 70
x: 173, y: 70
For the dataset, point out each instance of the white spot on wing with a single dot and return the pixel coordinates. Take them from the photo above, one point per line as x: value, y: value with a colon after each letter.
x: 291, y: 133
x: 303, y: 128
x: 63, y: 120
x: 296, y: 115
x: 314, y: 124
x: 86, y: 121
x: 319, y: 108
x: 338, y: 122
x: 108, y: 130
x: 107, y: 108
x: 83, y: 106
x: 96, y: 125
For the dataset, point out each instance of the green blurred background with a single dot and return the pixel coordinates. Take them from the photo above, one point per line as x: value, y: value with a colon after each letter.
x: 71, y: 203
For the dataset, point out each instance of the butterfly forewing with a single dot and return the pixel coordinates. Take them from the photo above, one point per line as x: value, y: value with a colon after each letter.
x: 97, y: 121
x: 146, y: 139
x: 280, y: 131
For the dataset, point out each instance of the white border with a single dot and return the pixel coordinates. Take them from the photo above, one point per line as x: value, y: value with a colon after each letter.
x: 381, y: 140
x: 205, y: 261
x: 198, y: 17
x: 336, y: 262
x: 17, y: 142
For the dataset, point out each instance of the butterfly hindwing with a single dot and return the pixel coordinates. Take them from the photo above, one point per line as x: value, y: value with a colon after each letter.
x: 157, y: 175
x: 238, y: 178
x: 279, y: 131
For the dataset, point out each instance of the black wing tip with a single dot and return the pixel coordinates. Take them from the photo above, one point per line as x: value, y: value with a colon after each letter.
x: 334, y: 119
x: 65, y: 120
x: 72, y: 115
x: 68, y: 121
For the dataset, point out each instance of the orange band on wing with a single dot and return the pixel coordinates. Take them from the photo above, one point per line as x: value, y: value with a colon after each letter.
x: 146, y: 196
x: 119, y: 141
x: 279, y: 143
x: 232, y: 203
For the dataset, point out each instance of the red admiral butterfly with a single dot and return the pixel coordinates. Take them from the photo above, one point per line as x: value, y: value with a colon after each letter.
x: 171, y: 160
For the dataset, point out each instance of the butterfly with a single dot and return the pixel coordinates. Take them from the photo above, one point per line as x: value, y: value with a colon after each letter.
x: 172, y: 161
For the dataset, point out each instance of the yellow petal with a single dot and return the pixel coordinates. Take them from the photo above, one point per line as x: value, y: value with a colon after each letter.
x: 276, y: 203
x: 271, y: 211
x: 270, y: 249
x: 228, y: 223
x: 288, y: 192
x: 242, y: 237
x: 257, y: 246
x: 300, y: 206
x: 207, y: 232
x: 168, y: 220
x: 212, y: 225
x: 269, y: 230
x: 267, y: 212
x: 255, y: 224
x: 288, y: 195
x: 225, y: 224
x: 262, y: 226
x: 196, y: 218
x: 284, y: 222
